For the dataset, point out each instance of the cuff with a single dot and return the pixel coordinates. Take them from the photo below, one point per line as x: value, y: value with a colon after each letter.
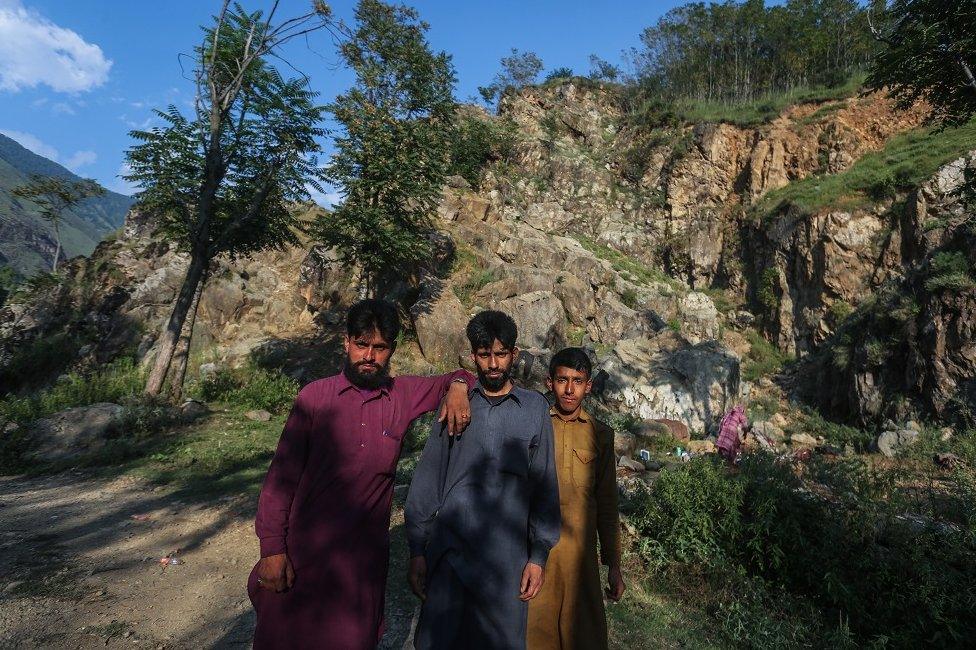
x: 273, y: 546
x: 417, y: 549
x: 539, y: 553
x: 468, y: 378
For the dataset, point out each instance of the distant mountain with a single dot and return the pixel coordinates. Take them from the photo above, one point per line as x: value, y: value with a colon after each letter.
x: 26, y: 240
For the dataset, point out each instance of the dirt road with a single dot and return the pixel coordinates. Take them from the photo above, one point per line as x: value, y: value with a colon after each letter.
x: 80, y: 567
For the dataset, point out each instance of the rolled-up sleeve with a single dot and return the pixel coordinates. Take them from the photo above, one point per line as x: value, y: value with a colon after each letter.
x: 544, y: 518
x: 278, y: 491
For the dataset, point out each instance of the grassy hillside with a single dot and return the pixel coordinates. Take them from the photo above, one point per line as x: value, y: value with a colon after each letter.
x: 26, y: 240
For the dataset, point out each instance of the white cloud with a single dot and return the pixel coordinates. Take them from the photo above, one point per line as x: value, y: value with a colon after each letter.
x: 60, y: 108
x: 120, y: 185
x: 33, y: 143
x: 35, y: 51
x: 80, y: 159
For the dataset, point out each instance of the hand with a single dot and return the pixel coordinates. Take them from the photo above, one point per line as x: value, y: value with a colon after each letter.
x: 615, y: 580
x: 532, y: 578
x: 275, y: 573
x: 456, y: 408
x: 417, y: 576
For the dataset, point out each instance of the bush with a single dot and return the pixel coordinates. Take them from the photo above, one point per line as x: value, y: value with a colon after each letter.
x: 559, y: 73
x: 949, y: 271
x: 477, y: 142
x: 248, y: 387
x: 114, y: 382
x: 838, y: 543
x: 38, y: 362
x: 763, y: 359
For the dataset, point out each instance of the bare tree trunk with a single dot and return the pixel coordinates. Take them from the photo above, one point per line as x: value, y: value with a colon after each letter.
x: 57, y: 249
x: 174, y: 327
x: 181, y: 356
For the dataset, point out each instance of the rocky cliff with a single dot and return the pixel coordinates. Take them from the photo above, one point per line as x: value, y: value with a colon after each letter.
x: 642, y: 244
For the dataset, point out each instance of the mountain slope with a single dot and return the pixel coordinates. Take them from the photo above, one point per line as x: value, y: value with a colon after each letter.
x: 26, y: 240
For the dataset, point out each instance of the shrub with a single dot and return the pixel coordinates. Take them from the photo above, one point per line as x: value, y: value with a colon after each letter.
x: 838, y: 542
x: 949, y: 271
x: 249, y: 387
x: 38, y: 362
x: 559, y: 73
x: 477, y: 142
x: 763, y: 358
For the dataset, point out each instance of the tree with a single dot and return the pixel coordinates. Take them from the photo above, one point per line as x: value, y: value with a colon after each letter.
x: 519, y: 69
x: 560, y: 73
x: 603, y: 70
x: 392, y: 155
x: 225, y: 180
x: 929, y: 54
x: 55, y: 196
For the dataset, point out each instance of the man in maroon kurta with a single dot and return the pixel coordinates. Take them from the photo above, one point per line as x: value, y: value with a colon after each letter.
x: 324, y: 512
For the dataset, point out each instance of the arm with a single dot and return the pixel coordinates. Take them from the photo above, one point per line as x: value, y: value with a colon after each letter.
x: 278, y: 491
x: 425, y: 393
x: 422, y: 503
x: 544, y: 518
x: 607, y: 512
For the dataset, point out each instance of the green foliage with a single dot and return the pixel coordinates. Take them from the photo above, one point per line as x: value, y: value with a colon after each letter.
x: 839, y: 311
x: 476, y: 142
x: 763, y: 359
x: 519, y: 69
x: 476, y: 280
x: 8, y: 284
x: 113, y: 382
x: 736, y: 52
x: 393, y: 150
x: 949, y: 271
x: 906, y: 161
x: 226, y: 178
x: 559, y: 73
x: 602, y: 70
x: 248, y: 387
x: 839, y: 435
x: 628, y: 267
x: 843, y: 549
x: 630, y: 298
x: 38, y: 361
x: 928, y: 45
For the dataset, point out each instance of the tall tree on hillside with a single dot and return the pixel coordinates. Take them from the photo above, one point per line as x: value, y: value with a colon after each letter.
x: 519, y: 69
x: 225, y: 180
x: 929, y: 54
x: 55, y: 196
x: 392, y: 156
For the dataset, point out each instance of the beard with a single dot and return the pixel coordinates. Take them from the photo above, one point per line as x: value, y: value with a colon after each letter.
x: 367, y: 380
x: 495, y: 384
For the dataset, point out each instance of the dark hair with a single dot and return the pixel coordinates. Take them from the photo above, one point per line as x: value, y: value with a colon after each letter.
x: 572, y: 358
x: 489, y: 325
x: 374, y: 314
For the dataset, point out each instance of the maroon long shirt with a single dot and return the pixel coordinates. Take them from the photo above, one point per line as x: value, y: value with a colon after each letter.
x: 326, y: 503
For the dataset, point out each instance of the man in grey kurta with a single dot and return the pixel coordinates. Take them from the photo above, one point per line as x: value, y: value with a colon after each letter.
x: 483, y: 512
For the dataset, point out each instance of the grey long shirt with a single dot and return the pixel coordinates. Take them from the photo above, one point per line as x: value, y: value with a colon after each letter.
x: 490, y: 498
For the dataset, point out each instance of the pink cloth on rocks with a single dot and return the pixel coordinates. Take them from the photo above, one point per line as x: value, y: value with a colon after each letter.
x: 728, y: 432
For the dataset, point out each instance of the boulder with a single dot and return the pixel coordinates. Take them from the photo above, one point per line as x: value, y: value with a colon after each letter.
x: 540, y: 318
x: 439, y: 319
x: 768, y: 429
x: 889, y: 443
x: 193, y: 409
x: 624, y: 444
x: 75, y: 431
x: 803, y: 440
x: 706, y: 446
x: 259, y: 415
x: 677, y: 430
x: 632, y: 464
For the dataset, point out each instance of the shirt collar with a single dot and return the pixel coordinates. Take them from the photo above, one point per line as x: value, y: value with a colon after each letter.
x: 582, y: 416
x: 512, y: 393
x: 345, y: 384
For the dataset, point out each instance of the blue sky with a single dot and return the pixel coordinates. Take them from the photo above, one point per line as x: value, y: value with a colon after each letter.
x: 76, y: 77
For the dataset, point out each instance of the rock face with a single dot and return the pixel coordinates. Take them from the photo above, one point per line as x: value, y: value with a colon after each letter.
x: 911, y: 348
x: 75, y: 431
x: 439, y: 320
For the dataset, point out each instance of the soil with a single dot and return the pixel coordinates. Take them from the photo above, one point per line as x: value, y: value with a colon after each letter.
x: 81, y: 567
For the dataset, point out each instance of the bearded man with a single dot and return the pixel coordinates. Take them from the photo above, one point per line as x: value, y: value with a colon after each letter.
x: 483, y: 508
x: 324, y: 512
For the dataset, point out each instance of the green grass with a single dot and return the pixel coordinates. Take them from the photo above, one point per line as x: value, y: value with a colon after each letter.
x: 906, y: 161
x: 626, y: 266
x: 763, y: 359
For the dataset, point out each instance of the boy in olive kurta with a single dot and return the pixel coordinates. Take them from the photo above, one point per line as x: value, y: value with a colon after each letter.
x: 568, y: 612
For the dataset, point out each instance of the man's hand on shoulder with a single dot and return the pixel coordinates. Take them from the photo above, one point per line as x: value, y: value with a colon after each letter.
x: 417, y: 576
x: 533, y: 576
x: 275, y: 573
x: 456, y: 408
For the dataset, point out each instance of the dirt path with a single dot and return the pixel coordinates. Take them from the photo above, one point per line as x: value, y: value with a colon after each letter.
x: 80, y: 567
